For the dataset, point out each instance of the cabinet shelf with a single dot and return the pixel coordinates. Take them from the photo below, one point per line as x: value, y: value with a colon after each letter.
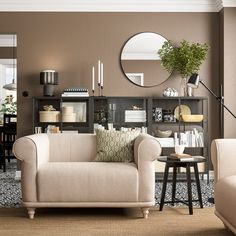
x: 104, y: 110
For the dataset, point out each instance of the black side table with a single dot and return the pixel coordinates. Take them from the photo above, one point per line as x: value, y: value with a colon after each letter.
x: 186, y: 163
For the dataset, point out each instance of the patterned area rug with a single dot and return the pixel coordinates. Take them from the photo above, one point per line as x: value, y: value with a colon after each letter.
x: 10, y: 193
x: 182, y: 192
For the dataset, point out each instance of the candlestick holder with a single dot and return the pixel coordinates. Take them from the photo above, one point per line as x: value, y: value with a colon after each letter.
x: 93, y: 92
x: 102, y: 91
x: 99, y: 89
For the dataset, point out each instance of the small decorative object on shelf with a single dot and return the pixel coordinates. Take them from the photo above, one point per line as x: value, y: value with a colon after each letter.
x: 135, y: 116
x: 76, y: 92
x: 49, y: 114
x: 134, y: 107
x: 170, y: 92
x: 168, y: 116
x: 192, y: 118
x: 158, y: 115
x: 52, y: 129
x: 93, y: 80
x: 182, y: 110
x: 162, y: 133
x: 37, y: 130
x: 100, y: 78
x: 49, y: 108
x: 68, y: 114
x: 48, y: 78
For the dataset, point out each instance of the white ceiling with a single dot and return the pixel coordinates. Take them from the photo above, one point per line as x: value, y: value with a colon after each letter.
x: 115, y: 5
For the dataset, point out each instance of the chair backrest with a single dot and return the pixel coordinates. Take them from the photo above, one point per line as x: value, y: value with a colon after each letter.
x: 9, y: 120
x: 9, y: 130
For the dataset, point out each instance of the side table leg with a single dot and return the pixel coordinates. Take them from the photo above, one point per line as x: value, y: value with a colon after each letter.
x: 190, y: 203
x: 174, y: 184
x: 198, y: 184
x: 163, y: 192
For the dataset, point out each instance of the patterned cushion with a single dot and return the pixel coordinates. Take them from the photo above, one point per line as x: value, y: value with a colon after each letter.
x: 115, y: 146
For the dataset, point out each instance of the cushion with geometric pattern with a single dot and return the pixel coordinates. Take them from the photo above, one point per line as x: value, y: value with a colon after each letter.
x: 115, y: 146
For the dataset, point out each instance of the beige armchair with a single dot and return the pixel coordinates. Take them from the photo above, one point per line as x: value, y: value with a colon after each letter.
x: 223, y: 154
x: 58, y: 171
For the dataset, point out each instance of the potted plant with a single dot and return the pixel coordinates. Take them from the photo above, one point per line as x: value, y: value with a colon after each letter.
x: 185, y: 59
x: 8, y: 106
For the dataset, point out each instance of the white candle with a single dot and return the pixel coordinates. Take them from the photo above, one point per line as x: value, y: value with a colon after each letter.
x: 99, y: 73
x: 93, y: 81
x: 102, y: 74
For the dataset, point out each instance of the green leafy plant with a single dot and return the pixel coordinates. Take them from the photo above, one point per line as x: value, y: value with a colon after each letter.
x: 8, y: 106
x: 185, y: 59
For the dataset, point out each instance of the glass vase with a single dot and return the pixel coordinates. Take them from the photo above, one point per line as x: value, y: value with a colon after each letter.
x: 183, y: 86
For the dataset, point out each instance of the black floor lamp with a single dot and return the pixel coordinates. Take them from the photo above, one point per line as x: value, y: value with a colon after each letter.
x: 193, y: 82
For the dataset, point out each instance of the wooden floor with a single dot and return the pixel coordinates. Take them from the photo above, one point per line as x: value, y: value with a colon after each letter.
x: 102, y: 222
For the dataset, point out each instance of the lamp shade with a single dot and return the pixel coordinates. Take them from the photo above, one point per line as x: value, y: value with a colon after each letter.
x: 193, y: 81
x: 12, y: 86
x: 49, y: 77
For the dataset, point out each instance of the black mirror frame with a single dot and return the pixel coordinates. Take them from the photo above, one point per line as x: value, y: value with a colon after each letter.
x: 142, y: 86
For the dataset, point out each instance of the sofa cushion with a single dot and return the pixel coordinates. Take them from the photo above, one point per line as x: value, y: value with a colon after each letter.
x: 115, y: 146
x: 87, y: 182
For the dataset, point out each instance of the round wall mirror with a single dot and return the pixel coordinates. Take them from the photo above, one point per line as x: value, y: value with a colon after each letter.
x: 140, y: 61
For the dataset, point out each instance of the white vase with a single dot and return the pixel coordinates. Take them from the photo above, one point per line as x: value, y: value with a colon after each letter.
x: 183, y: 86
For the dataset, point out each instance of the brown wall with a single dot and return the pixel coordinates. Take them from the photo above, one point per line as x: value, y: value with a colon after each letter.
x: 72, y: 43
x: 229, y: 69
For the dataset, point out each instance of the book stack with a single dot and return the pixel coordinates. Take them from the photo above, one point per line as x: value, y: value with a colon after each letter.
x: 75, y: 92
x: 191, y: 138
x: 180, y: 157
x: 135, y: 116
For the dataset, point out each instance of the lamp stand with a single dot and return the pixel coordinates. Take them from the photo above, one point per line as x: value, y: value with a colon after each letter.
x: 48, y: 90
x: 220, y: 99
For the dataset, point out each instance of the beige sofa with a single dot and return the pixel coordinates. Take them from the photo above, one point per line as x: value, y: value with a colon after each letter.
x: 58, y: 171
x: 223, y: 154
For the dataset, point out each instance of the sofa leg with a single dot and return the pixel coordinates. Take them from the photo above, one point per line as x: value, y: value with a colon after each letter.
x: 145, y: 211
x: 31, y: 212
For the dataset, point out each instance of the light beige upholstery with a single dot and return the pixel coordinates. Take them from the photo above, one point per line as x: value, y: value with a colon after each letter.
x: 58, y: 171
x: 223, y: 154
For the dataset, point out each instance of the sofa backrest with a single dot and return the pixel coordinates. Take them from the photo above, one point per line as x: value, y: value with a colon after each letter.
x: 72, y: 147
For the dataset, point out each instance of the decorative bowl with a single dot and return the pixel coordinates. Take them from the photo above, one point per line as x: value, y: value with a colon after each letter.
x: 163, y: 133
x: 192, y: 118
x: 170, y: 92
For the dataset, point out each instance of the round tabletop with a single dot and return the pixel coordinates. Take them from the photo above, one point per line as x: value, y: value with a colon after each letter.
x: 190, y: 159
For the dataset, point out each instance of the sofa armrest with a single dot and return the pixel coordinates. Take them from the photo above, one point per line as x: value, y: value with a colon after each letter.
x: 146, y: 150
x: 223, y: 152
x: 32, y: 151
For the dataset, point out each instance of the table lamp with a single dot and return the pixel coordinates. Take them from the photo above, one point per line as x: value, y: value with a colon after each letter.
x: 48, y: 78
